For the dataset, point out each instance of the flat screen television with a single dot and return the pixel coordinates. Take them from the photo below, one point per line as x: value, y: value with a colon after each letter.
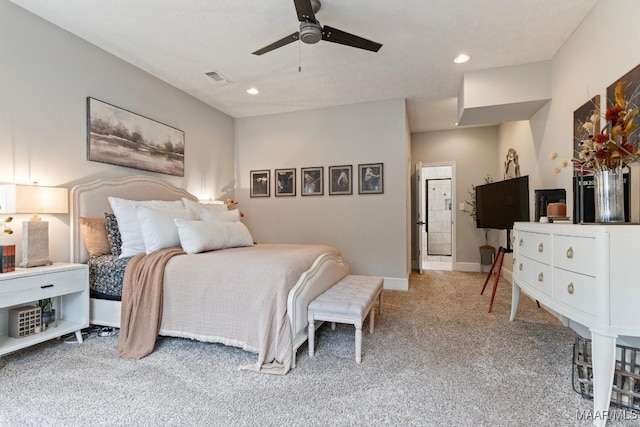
x: 500, y: 204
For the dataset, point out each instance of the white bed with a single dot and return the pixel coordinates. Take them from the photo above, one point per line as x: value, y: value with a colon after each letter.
x: 90, y: 200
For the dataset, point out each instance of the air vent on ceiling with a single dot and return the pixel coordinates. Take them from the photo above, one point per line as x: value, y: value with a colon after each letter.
x: 217, y: 77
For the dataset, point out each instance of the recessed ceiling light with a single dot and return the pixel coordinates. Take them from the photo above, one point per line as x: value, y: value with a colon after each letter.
x: 455, y: 124
x: 461, y: 58
x: 253, y: 91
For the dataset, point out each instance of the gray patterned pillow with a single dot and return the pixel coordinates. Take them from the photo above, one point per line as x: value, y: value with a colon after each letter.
x: 113, y: 234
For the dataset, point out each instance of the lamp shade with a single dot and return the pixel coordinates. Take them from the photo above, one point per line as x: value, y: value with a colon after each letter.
x: 33, y: 199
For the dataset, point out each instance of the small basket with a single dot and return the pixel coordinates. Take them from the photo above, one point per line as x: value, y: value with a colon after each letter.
x: 625, y: 390
x: 25, y: 321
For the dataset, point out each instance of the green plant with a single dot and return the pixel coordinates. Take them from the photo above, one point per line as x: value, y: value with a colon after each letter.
x: 46, y: 304
x: 471, y: 206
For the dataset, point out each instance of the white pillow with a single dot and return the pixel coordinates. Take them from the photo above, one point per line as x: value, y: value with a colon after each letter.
x: 128, y: 224
x: 159, y: 231
x: 221, y: 216
x: 200, y: 208
x: 201, y: 236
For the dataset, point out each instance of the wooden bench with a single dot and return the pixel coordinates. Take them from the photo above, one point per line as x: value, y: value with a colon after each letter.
x: 348, y: 301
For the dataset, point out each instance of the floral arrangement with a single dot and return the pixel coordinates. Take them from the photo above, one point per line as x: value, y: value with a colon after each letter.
x: 4, y: 228
x: 613, y: 147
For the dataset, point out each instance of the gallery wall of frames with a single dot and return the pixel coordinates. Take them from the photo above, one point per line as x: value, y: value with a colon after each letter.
x: 310, y: 181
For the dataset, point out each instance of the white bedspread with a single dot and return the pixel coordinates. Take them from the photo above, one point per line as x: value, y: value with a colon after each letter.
x: 238, y: 297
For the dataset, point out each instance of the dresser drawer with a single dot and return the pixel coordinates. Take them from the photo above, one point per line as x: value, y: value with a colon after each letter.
x: 575, y: 254
x: 536, y: 246
x: 536, y: 274
x: 17, y: 290
x: 575, y: 290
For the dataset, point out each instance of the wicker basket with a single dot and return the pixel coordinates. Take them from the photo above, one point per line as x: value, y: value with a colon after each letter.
x: 625, y: 391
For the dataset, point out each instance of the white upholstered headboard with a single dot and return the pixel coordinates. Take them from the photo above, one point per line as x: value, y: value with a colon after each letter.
x: 90, y: 200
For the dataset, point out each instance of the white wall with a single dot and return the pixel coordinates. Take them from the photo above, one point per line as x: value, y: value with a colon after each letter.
x: 601, y: 50
x: 583, y: 68
x: 474, y: 151
x: 370, y: 230
x: 45, y: 76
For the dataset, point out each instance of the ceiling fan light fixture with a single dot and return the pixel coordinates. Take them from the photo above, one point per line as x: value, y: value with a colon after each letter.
x: 253, y: 91
x: 310, y: 32
x: 462, y: 58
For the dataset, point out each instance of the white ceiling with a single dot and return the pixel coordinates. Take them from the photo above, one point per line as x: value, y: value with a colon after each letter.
x: 179, y: 40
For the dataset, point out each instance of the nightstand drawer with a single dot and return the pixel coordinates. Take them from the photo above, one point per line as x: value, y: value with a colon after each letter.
x: 536, y: 274
x: 575, y: 254
x: 575, y: 290
x: 17, y: 290
x: 536, y: 246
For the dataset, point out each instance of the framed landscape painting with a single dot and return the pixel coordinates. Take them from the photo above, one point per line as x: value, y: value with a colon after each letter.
x: 120, y: 137
x: 340, y: 181
x: 371, y: 178
x: 311, y: 180
x: 260, y: 183
x: 285, y: 182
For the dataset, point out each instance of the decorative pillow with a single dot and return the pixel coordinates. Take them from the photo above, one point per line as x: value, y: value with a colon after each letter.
x: 94, y: 234
x: 200, y: 208
x: 128, y: 224
x: 201, y: 236
x: 159, y: 231
x: 221, y: 216
x: 113, y: 234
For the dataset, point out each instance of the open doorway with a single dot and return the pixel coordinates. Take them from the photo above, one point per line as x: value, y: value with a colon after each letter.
x: 436, y: 205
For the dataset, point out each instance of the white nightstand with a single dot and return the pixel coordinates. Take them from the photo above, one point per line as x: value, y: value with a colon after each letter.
x: 68, y: 283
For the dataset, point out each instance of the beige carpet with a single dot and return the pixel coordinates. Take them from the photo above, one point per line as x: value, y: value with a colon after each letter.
x: 437, y: 358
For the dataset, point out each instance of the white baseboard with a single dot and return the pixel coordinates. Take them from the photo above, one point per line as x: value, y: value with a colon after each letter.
x: 396, y: 283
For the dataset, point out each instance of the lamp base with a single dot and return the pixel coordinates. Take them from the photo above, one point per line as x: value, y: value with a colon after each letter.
x: 35, y: 244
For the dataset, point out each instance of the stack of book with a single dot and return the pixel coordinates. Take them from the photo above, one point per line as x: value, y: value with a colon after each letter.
x: 7, y: 258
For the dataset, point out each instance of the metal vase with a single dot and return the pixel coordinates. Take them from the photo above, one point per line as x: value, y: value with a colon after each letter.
x: 609, y: 196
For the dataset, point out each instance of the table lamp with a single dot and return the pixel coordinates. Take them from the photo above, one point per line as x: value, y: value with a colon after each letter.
x: 34, y: 199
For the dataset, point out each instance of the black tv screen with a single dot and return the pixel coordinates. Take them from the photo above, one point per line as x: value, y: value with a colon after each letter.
x: 500, y: 204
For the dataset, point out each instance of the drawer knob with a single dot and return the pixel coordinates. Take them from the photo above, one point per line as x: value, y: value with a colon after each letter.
x: 570, y: 288
x: 520, y: 267
x: 520, y: 242
x: 570, y: 252
x: 540, y: 247
x: 540, y: 277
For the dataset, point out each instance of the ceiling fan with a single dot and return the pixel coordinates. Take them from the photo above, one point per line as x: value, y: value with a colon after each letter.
x: 312, y: 32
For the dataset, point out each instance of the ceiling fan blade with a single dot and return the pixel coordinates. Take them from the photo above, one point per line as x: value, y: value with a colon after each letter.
x: 282, y: 42
x: 305, y: 11
x: 334, y: 35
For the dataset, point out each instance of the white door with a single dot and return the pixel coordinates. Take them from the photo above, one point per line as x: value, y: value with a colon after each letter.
x: 420, y: 222
x: 436, y: 218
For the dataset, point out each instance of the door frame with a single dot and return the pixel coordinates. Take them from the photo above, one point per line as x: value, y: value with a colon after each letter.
x: 420, y: 203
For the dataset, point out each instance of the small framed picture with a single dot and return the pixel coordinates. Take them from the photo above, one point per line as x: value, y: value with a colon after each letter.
x: 311, y: 180
x: 260, y: 183
x: 340, y: 180
x: 285, y: 180
x: 371, y: 178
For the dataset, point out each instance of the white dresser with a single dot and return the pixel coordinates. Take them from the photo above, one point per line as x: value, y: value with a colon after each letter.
x: 589, y: 274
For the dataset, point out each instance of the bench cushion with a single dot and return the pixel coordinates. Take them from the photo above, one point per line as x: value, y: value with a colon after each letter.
x: 351, y: 296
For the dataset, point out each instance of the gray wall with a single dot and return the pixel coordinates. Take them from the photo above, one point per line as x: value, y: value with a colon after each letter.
x: 474, y: 151
x: 370, y: 230
x: 45, y: 76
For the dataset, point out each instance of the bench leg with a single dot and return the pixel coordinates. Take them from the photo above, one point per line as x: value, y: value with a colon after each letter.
x: 358, y: 343
x: 372, y: 317
x: 380, y: 303
x: 333, y: 326
x: 311, y: 336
